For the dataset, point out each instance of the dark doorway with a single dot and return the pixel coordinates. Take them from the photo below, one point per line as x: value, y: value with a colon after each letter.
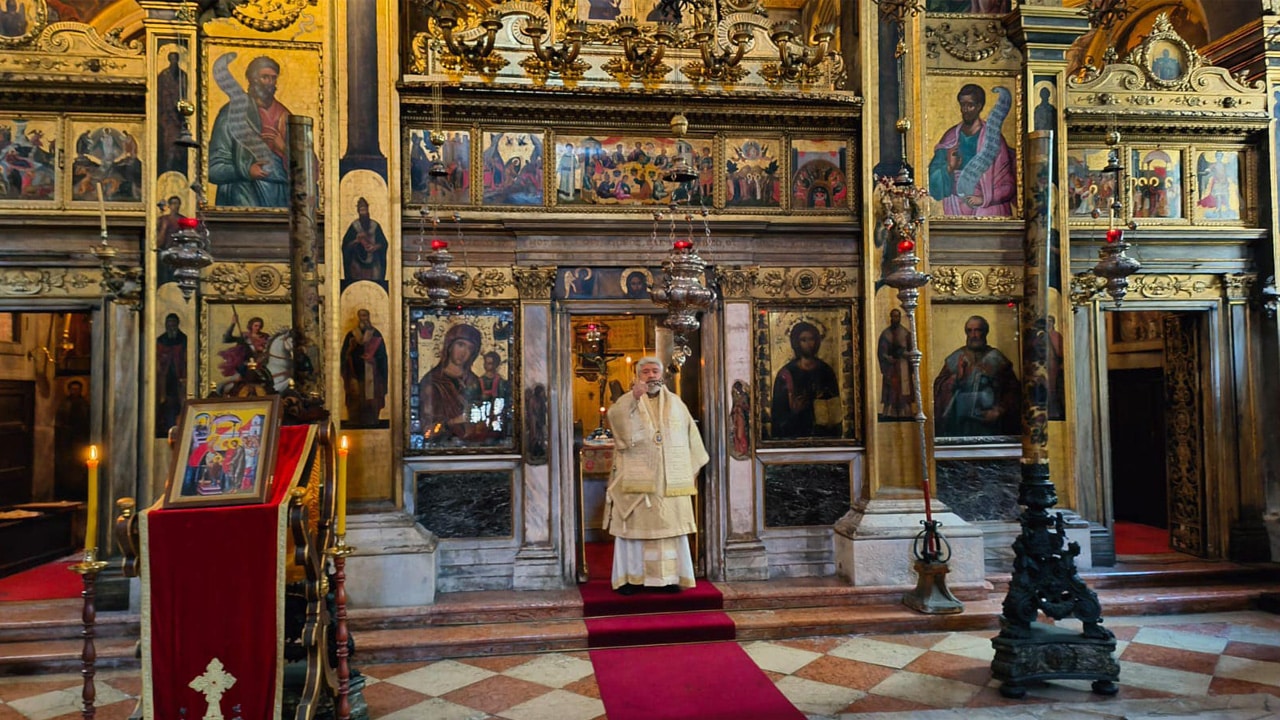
x: 604, y: 351
x: 1141, y: 488
x: 1156, y: 417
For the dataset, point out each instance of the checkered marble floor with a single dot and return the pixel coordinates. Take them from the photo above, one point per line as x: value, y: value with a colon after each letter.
x: 1224, y: 666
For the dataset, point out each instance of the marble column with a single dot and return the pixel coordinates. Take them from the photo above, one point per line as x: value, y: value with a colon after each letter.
x: 745, y: 557
x: 539, y: 564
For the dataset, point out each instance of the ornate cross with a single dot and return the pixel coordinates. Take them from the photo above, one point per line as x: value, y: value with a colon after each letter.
x: 212, y: 684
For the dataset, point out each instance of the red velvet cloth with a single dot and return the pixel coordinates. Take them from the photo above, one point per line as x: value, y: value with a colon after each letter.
x: 214, y: 588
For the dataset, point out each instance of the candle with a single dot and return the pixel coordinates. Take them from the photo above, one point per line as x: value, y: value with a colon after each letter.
x: 91, y: 524
x: 102, y: 211
x: 343, y: 450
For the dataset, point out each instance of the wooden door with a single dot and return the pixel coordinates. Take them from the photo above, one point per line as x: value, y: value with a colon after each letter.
x: 1184, y: 432
x: 17, y: 437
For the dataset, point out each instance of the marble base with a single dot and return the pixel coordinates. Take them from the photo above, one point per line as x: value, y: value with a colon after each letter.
x: 537, y: 568
x: 873, y: 544
x: 395, y: 562
x: 746, y: 560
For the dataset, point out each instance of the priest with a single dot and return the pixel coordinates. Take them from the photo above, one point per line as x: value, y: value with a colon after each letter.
x: 649, y: 505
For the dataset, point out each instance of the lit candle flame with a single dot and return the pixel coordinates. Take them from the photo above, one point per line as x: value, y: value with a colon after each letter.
x: 343, y: 445
x: 93, y: 453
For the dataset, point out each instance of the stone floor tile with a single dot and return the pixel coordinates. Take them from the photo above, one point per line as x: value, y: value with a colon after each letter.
x: 816, y: 697
x: 841, y: 671
x: 779, y: 658
x: 878, y: 652
x: 556, y: 705
x: 1256, y: 671
x: 586, y: 687
x: 1180, y: 640
x: 497, y: 663
x: 965, y: 645
x: 31, y: 686
x: 974, y: 671
x: 439, y: 678
x: 928, y: 690
x: 1253, y: 651
x: 883, y: 703
x: 554, y: 670
x: 495, y: 694
x: 1196, y: 662
x: 1152, y: 677
x: 386, y: 698
x: 60, y: 702
x: 434, y: 709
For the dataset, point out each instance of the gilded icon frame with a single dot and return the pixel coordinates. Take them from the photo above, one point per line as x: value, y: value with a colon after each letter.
x: 213, y: 429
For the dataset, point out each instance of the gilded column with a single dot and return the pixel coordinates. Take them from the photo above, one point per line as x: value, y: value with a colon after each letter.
x: 1269, y: 349
x: 172, y: 77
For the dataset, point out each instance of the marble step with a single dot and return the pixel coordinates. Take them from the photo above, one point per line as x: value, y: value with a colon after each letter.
x: 33, y: 621
x: 553, y: 622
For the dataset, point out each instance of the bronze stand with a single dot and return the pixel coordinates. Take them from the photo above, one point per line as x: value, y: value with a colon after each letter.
x: 339, y: 553
x: 89, y: 569
x: 1044, y: 577
x: 904, y: 218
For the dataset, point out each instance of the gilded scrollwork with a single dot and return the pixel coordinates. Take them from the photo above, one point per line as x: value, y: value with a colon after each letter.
x: 969, y: 41
x: 534, y: 283
x: 946, y: 280
x: 228, y: 278
x: 245, y: 280
x: 1003, y: 281
x: 1164, y: 287
x: 490, y: 282
x: 28, y: 282
x: 269, y: 15
x: 778, y: 282
x: 977, y: 282
x: 1163, y: 74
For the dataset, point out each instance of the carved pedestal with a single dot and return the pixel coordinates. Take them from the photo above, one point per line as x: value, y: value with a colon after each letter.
x: 1050, y: 652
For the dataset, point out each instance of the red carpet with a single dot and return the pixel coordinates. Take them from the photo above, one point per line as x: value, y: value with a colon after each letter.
x: 684, y: 627
x: 1136, y: 539
x: 51, y: 581
x: 712, y: 681
x: 599, y: 598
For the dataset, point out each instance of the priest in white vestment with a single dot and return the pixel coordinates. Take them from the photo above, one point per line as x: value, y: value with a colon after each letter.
x: 649, y: 506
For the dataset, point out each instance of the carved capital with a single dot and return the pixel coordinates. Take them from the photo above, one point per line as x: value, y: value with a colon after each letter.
x: 534, y: 283
x: 1239, y: 286
x: 736, y: 282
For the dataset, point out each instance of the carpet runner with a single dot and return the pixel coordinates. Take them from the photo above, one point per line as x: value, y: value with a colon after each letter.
x: 51, y: 581
x: 1138, y: 539
x: 656, y: 657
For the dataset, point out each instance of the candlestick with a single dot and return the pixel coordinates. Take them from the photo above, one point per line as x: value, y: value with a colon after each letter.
x: 340, y: 525
x: 102, y: 212
x: 91, y: 524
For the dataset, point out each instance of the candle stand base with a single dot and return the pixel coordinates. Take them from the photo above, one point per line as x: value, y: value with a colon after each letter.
x: 339, y: 553
x: 88, y: 570
x: 1049, y: 652
x: 931, y: 595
